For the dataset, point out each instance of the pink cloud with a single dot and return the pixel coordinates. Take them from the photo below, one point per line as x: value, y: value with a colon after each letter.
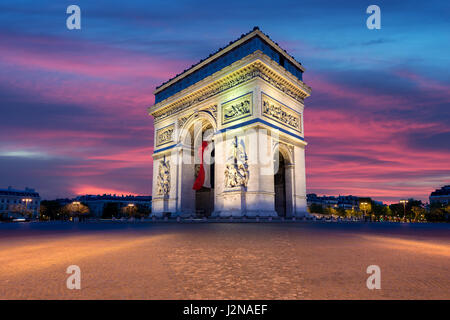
x: 85, y: 58
x: 94, y: 190
x: 362, y: 154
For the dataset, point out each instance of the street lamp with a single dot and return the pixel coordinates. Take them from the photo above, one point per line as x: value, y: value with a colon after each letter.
x: 404, y: 207
x: 364, y: 204
x: 130, y: 208
x: 75, y: 203
x: 26, y: 200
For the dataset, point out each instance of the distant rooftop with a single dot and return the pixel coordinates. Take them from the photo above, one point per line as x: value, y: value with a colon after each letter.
x: 444, y: 191
x: 234, y: 51
x: 16, y: 192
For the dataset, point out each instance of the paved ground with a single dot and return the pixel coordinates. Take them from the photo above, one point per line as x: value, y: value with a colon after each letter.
x: 225, y: 260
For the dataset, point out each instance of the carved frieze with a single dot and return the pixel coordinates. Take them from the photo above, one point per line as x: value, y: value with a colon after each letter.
x: 213, y: 110
x: 182, y: 120
x: 237, y: 108
x: 280, y: 86
x: 253, y: 71
x: 164, y: 135
x: 275, y: 110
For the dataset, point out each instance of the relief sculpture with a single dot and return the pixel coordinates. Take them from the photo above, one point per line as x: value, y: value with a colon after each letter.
x: 164, y: 135
x: 163, y: 179
x: 236, y: 170
x: 237, y: 109
x: 276, y: 111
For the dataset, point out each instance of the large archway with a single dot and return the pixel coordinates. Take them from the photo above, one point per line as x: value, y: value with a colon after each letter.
x: 204, y: 197
x: 280, y: 186
x: 198, y: 203
x: 283, y: 181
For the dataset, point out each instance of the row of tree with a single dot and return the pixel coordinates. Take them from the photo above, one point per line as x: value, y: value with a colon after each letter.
x: 112, y: 209
x: 53, y: 210
x: 412, y: 210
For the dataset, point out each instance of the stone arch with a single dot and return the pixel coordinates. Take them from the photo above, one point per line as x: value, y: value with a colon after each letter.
x: 285, y: 151
x: 189, y: 141
x: 288, y: 167
x: 186, y: 131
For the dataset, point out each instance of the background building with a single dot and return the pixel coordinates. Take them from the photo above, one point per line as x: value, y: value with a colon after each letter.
x: 441, y: 195
x: 97, y: 203
x: 345, y: 202
x: 19, y: 203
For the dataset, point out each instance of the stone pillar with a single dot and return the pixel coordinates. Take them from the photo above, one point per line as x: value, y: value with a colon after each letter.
x: 260, y: 197
x: 290, y: 187
x: 159, y: 201
x: 164, y: 184
x: 300, y: 182
x: 230, y: 188
x: 220, y: 158
x: 256, y: 196
x: 186, y: 177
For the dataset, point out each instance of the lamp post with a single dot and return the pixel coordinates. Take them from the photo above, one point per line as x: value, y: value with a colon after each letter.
x: 130, y: 208
x: 75, y: 203
x: 404, y: 207
x: 26, y: 200
x: 364, y: 204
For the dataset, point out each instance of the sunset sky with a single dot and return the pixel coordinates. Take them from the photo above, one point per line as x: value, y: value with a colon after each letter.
x: 73, y: 104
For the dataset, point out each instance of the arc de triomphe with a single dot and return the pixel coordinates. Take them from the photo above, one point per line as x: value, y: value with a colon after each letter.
x: 241, y: 110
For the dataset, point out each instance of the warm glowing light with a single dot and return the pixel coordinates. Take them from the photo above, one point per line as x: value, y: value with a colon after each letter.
x: 82, y: 190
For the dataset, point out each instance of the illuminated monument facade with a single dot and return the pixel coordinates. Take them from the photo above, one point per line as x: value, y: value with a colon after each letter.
x: 229, y: 137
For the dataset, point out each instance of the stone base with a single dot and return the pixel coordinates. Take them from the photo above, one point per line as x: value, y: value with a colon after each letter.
x: 261, y: 213
x: 161, y: 206
x: 302, y: 214
x: 232, y: 213
x: 231, y: 203
x: 238, y: 213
